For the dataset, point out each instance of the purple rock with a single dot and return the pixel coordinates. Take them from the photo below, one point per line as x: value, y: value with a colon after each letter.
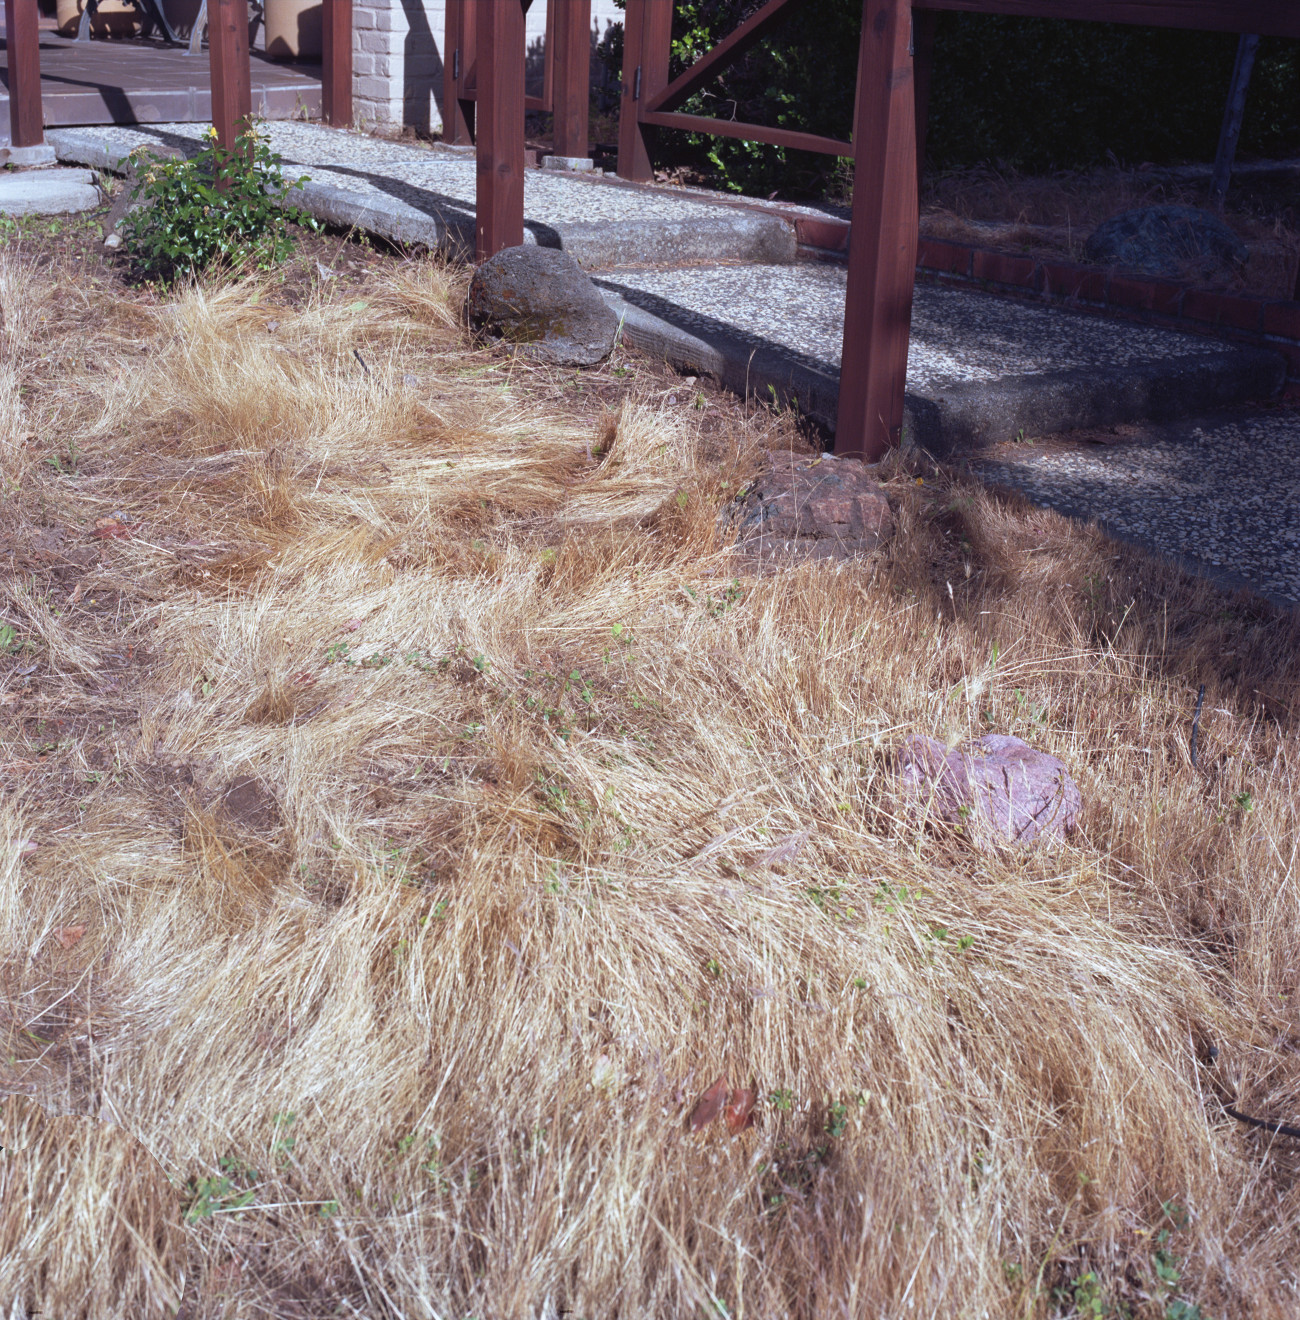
x: 1000, y: 789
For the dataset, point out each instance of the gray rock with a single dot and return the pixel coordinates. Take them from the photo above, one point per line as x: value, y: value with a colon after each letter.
x: 999, y: 791
x: 1167, y: 240
x: 539, y: 300
x: 820, y: 508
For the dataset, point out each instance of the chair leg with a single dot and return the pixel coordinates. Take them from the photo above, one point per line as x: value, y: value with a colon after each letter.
x: 196, y: 33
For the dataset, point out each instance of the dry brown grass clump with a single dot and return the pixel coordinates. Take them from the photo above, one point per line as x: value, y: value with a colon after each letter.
x: 445, y: 812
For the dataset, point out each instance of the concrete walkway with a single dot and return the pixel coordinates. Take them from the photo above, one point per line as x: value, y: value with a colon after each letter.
x: 717, y: 288
x: 1219, y: 495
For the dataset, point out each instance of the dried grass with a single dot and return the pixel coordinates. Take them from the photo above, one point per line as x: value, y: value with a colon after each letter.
x: 579, y: 821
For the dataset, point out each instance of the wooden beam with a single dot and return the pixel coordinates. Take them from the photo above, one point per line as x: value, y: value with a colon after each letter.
x: 1270, y: 18
x: 22, y: 43
x: 883, y: 238
x: 647, y: 43
x: 336, y: 63
x: 729, y: 49
x: 457, y: 60
x: 499, y: 158
x: 777, y: 137
x: 232, y: 94
x: 571, y: 78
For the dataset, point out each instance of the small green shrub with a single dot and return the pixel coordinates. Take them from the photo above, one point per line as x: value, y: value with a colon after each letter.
x: 218, y: 208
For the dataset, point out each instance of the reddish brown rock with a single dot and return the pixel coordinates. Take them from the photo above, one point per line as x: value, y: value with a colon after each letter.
x: 823, y: 507
x: 1000, y: 790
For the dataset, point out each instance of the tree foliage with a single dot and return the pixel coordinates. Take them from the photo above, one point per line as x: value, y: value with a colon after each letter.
x: 1033, y: 93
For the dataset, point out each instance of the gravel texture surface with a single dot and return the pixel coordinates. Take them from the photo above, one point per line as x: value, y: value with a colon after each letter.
x: 956, y: 335
x: 426, y: 176
x: 1222, y: 495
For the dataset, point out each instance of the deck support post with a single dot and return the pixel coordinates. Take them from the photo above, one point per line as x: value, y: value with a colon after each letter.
x: 26, y: 121
x: 499, y: 139
x: 647, y: 43
x: 232, y: 93
x: 571, y: 80
x: 336, y: 61
x: 458, y: 54
x: 883, y: 238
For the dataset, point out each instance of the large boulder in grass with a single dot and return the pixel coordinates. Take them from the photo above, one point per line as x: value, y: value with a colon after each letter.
x: 814, y: 508
x: 1167, y: 240
x: 1000, y: 790
x: 539, y: 300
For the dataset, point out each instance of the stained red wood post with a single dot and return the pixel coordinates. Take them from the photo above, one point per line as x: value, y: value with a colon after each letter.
x: 647, y: 43
x: 232, y: 95
x: 457, y: 61
x: 22, y: 41
x: 336, y: 63
x: 882, y: 242
x: 499, y: 141
x: 571, y: 80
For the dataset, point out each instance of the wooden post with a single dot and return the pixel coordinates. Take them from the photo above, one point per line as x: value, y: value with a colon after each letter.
x: 647, y: 43
x: 232, y: 94
x: 1233, y: 113
x: 499, y: 157
x: 22, y: 41
x: 571, y: 80
x: 336, y: 63
x: 457, y: 61
x: 883, y: 238
x: 923, y: 21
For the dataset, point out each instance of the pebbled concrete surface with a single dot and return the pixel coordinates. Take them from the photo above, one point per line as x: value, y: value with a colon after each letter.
x: 421, y: 195
x: 1220, y: 495
x: 980, y: 368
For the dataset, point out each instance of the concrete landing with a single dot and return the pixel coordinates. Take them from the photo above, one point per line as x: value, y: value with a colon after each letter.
x: 716, y: 288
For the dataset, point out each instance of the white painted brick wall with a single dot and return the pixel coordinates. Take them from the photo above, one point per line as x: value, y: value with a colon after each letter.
x: 397, y: 58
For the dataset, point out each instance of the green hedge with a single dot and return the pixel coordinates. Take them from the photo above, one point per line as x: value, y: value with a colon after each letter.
x: 1034, y: 94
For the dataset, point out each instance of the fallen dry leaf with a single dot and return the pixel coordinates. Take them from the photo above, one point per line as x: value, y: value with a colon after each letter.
x: 739, y: 1112
x: 304, y: 678
x: 69, y: 935
x: 352, y: 626
x: 77, y: 592
x: 111, y: 529
x: 709, y: 1105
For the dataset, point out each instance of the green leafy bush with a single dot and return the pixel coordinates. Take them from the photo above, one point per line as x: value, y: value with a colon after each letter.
x: 220, y: 207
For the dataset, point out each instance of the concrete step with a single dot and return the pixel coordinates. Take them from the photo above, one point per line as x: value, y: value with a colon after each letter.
x: 981, y: 369
x: 48, y: 192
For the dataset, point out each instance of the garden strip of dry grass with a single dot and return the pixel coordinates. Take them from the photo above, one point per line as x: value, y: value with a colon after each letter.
x: 411, y: 806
